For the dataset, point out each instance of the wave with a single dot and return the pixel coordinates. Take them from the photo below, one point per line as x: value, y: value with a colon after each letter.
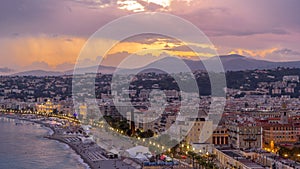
x: 80, y: 160
x: 74, y: 155
x: 49, y: 130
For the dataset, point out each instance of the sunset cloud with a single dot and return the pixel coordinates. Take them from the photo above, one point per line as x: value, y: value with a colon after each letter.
x: 156, y: 46
x: 41, y: 51
x: 272, y: 54
x: 254, y: 53
x: 54, y: 32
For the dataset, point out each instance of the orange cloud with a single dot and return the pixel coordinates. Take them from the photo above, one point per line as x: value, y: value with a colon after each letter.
x: 159, y: 47
x: 23, y: 51
x: 61, y: 52
x: 254, y: 53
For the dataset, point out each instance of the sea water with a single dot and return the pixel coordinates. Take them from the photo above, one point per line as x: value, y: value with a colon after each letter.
x: 22, y: 146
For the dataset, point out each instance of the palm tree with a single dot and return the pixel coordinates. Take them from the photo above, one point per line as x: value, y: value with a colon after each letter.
x: 192, y: 155
x: 198, y: 158
x: 201, y: 161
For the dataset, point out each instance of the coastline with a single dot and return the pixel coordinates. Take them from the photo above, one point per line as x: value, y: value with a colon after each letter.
x: 74, y: 148
x: 65, y: 132
x: 83, y: 160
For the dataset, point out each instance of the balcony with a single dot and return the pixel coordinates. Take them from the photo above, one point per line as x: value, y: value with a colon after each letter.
x: 250, y: 139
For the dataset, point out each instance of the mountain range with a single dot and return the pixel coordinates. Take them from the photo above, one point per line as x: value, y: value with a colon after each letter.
x: 174, y: 65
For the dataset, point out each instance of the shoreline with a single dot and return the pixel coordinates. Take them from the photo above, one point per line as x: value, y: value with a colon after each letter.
x: 76, y: 150
x: 84, y: 161
x: 93, y: 155
x: 80, y: 160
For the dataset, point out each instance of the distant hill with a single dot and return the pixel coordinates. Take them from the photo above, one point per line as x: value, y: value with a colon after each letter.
x: 38, y: 73
x: 92, y: 69
x: 229, y: 62
x: 172, y: 64
x: 238, y: 62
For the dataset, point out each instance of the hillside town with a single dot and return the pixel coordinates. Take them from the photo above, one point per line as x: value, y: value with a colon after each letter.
x: 259, y: 127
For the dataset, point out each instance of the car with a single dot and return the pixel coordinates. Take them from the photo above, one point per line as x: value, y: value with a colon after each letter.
x: 183, y: 157
x: 168, y: 159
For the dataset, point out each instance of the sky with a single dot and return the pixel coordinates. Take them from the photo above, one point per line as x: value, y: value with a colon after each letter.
x: 49, y: 34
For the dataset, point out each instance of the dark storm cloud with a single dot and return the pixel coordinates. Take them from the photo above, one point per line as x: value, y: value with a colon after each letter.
x: 64, y: 17
x: 76, y: 18
x: 96, y: 4
x: 241, y: 18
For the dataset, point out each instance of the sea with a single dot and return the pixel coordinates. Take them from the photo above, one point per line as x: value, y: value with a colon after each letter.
x: 22, y: 146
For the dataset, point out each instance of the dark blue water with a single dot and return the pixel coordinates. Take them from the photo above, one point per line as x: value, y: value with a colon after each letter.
x: 23, y: 147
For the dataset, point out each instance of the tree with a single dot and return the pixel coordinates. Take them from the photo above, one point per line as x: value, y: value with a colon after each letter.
x: 200, y: 160
x: 55, y: 111
x: 147, y: 134
x: 192, y: 155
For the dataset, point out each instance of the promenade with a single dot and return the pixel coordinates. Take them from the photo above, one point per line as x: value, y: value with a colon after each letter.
x: 91, y: 153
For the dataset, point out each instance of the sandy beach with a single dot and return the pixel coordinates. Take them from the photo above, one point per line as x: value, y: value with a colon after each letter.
x: 91, y: 153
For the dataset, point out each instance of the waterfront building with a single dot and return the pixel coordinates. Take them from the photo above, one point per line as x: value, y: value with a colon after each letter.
x: 234, y: 159
x: 83, y: 111
x: 47, y: 107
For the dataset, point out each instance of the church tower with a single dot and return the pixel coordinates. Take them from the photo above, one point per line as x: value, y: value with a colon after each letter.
x: 284, y: 119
